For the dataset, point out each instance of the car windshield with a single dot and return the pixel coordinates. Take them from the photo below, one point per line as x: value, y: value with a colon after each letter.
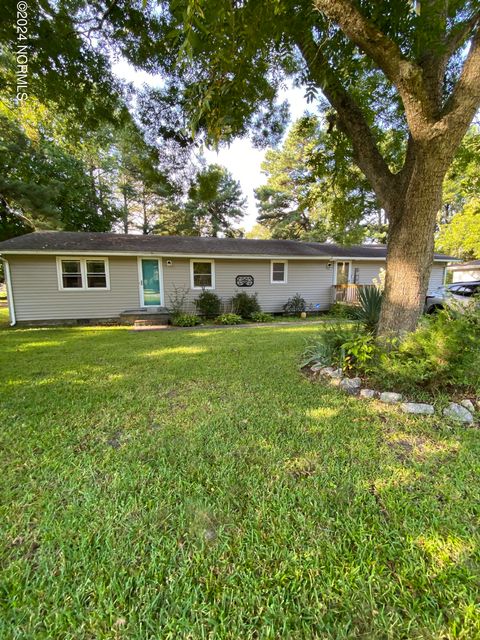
x: 465, y: 290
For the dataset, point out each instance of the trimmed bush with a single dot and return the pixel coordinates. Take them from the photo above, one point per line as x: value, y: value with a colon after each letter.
x: 261, y: 316
x: 184, y: 320
x: 229, y: 318
x: 295, y: 305
x: 208, y: 304
x: 245, y: 305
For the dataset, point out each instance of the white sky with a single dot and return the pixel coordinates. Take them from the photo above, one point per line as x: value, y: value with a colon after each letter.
x: 240, y: 158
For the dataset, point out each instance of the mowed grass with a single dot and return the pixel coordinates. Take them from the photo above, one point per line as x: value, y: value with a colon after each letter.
x: 192, y: 484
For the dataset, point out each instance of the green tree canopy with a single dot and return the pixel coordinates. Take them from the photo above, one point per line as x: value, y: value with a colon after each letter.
x: 461, y: 236
x: 215, y: 203
x: 314, y: 191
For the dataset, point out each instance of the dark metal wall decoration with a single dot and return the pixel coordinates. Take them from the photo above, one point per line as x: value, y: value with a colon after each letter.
x: 244, y: 281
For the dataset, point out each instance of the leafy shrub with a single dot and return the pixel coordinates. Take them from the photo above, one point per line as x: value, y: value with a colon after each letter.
x: 208, y: 304
x: 261, y: 316
x: 368, y: 312
x: 328, y: 349
x: 342, y: 310
x: 295, y: 305
x: 358, y: 353
x: 442, y: 353
x: 184, y: 319
x: 229, y: 318
x: 244, y: 304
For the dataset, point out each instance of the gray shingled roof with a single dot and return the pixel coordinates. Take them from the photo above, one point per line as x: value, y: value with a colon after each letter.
x: 59, y: 241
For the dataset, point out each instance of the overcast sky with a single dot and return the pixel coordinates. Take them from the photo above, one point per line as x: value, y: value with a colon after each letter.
x: 240, y: 158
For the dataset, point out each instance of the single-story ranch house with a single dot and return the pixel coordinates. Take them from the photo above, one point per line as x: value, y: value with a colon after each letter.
x: 59, y: 276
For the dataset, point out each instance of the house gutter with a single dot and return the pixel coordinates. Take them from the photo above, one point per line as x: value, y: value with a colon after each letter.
x: 206, y: 256
x: 11, y: 305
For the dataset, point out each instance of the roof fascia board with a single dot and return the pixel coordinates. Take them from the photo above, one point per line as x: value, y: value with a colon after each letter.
x: 210, y: 256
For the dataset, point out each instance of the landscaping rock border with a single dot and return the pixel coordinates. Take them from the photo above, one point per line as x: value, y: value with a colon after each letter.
x: 463, y: 412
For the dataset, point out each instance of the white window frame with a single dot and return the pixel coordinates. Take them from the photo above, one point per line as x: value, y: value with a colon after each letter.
x: 83, y: 272
x: 285, y: 272
x: 192, y: 283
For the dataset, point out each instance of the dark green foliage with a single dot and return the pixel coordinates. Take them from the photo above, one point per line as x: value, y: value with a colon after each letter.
x: 12, y: 225
x: 229, y: 318
x: 343, y: 310
x: 295, y: 305
x: 245, y: 304
x: 215, y: 203
x: 358, y: 353
x: 441, y: 355
x: 314, y: 190
x: 261, y: 316
x: 370, y: 304
x: 328, y: 348
x: 184, y: 320
x: 44, y: 185
x: 208, y: 304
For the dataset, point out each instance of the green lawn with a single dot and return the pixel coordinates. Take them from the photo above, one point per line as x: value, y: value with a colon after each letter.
x: 193, y: 484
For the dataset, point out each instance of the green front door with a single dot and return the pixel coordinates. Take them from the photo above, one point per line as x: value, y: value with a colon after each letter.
x: 150, y: 283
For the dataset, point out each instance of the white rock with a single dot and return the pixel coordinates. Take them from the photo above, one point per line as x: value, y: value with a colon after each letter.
x: 468, y: 404
x: 418, y: 408
x: 368, y: 393
x: 457, y: 412
x: 390, y: 398
x: 351, y: 385
x: 330, y: 372
x: 317, y: 367
x: 337, y: 373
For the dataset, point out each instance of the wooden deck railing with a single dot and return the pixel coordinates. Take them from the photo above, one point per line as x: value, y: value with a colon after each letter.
x: 348, y: 293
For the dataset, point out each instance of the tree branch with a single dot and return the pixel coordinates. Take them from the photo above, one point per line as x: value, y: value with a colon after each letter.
x: 404, y: 74
x: 459, y: 33
x: 352, y: 120
x: 464, y: 101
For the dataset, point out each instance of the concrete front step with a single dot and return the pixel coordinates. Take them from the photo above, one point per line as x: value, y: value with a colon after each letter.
x: 144, y: 317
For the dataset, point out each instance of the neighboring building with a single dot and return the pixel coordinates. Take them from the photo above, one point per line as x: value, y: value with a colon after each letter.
x: 66, y: 276
x: 466, y: 271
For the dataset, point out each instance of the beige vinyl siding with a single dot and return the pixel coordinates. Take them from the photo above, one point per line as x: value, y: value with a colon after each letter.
x: 367, y: 271
x: 311, y: 279
x: 37, y: 297
x: 370, y: 270
x: 437, y: 276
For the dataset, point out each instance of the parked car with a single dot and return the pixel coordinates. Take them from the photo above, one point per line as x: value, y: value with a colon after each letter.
x: 459, y: 293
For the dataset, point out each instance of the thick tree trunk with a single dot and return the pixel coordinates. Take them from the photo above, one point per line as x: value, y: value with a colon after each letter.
x: 410, y: 248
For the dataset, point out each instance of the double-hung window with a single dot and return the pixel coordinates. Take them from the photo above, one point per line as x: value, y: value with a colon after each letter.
x: 71, y: 274
x: 278, y: 273
x: 202, y: 274
x: 82, y: 274
x: 96, y: 274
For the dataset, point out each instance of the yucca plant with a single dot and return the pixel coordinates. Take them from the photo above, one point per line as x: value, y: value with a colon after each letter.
x: 368, y: 312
